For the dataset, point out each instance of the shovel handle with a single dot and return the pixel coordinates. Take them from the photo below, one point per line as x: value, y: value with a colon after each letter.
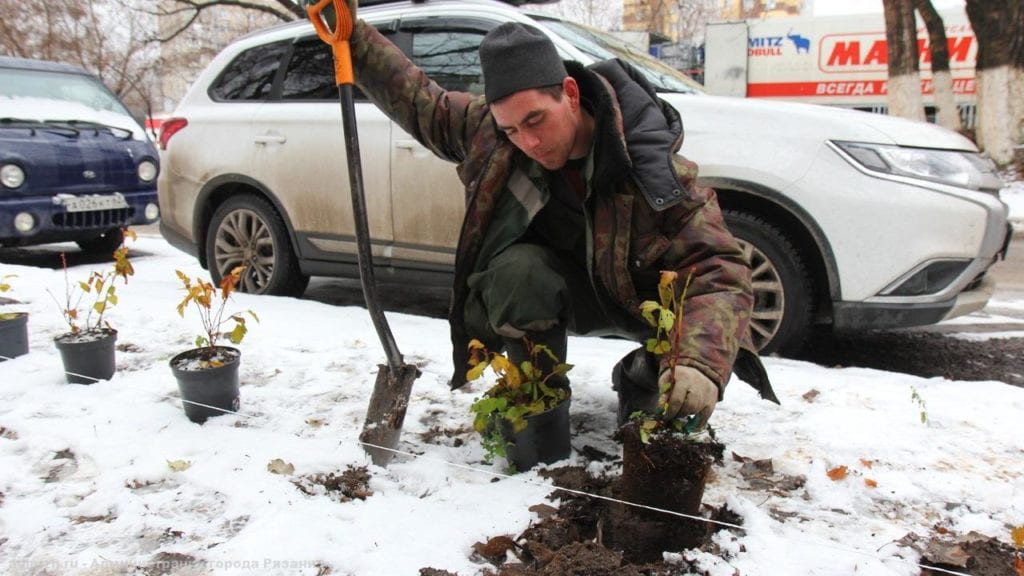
x: 337, y: 36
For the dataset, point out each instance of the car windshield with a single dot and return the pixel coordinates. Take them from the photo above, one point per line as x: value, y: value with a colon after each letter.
x: 17, y: 83
x: 602, y: 46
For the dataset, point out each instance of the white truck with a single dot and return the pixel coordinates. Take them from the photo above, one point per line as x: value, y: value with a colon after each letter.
x: 835, y: 60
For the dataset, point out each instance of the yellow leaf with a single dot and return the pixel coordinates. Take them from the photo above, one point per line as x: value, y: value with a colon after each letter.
x: 1017, y: 534
x: 667, y: 278
x: 838, y: 473
x: 476, y: 371
x: 179, y: 465
x: 500, y: 364
x: 513, y: 377
x: 647, y: 308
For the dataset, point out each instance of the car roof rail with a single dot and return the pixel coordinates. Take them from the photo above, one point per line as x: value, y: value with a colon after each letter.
x: 368, y: 3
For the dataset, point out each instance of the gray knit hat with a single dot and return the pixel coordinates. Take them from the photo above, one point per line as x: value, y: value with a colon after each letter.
x: 517, y: 57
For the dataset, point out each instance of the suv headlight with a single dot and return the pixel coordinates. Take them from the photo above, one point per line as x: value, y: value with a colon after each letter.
x: 956, y: 168
x: 11, y: 176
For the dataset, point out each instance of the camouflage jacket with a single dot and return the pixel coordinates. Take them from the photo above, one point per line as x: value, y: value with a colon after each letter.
x: 647, y: 212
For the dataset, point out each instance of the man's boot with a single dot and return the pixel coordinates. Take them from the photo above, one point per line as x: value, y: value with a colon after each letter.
x: 635, y: 378
x: 556, y: 339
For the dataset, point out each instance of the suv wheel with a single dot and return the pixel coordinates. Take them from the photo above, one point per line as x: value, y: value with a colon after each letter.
x: 247, y: 231
x: 782, y: 288
x: 105, y: 243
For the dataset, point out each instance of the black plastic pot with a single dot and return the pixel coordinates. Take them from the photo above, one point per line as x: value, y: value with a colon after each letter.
x: 544, y: 440
x: 207, y: 391
x: 88, y: 356
x: 14, y: 336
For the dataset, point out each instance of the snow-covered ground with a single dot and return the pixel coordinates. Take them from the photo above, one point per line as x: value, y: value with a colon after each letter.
x: 87, y: 486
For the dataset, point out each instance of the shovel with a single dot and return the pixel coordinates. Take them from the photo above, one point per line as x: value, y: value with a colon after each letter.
x: 390, y: 398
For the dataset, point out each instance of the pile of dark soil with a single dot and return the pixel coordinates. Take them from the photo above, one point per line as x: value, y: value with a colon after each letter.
x: 590, y: 536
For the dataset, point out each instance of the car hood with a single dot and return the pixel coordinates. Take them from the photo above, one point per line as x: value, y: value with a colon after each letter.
x: 753, y: 117
x: 44, y: 109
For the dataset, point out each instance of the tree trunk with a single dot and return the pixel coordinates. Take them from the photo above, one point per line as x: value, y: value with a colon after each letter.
x: 947, y: 114
x: 1000, y: 72
x: 1017, y: 90
x: 904, y: 86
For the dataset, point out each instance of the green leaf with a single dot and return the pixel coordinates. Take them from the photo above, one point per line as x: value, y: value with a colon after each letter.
x: 662, y: 347
x: 561, y: 369
x: 238, y: 333
x: 487, y: 405
x: 647, y: 309
x: 666, y: 319
x: 480, y: 423
x: 652, y: 344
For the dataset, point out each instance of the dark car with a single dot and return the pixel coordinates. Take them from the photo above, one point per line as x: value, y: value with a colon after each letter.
x: 74, y: 164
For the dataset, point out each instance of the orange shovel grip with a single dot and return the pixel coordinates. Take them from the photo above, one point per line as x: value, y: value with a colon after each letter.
x: 338, y: 38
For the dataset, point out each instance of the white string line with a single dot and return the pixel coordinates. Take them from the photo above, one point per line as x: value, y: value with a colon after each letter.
x: 539, y: 484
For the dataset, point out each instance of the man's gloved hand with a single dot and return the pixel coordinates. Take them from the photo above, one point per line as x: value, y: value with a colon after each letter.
x: 693, y: 393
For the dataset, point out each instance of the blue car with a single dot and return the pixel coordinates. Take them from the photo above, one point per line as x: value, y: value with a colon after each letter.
x: 74, y: 164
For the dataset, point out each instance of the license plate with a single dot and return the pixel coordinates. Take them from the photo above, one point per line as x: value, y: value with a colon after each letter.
x: 96, y: 202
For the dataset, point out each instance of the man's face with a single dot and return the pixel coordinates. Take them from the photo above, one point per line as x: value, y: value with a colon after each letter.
x: 542, y: 126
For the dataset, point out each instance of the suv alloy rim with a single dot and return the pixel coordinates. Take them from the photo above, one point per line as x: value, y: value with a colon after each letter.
x: 244, y: 239
x: 769, y: 296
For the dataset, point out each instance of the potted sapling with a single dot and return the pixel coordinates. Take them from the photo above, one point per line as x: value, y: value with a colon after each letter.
x: 665, y: 461
x: 13, y: 324
x: 207, y: 375
x: 524, y: 416
x: 87, y: 348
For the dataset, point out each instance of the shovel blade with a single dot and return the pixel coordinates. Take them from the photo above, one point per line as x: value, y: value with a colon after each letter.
x: 386, y: 412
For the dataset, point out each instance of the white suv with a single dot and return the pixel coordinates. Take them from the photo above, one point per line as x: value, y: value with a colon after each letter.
x: 850, y: 219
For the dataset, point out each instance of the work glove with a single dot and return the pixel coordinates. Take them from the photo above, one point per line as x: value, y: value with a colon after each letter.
x: 693, y: 393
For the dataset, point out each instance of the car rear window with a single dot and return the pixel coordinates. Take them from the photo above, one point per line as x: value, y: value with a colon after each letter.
x: 250, y: 76
x: 310, y: 73
x: 450, y: 56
